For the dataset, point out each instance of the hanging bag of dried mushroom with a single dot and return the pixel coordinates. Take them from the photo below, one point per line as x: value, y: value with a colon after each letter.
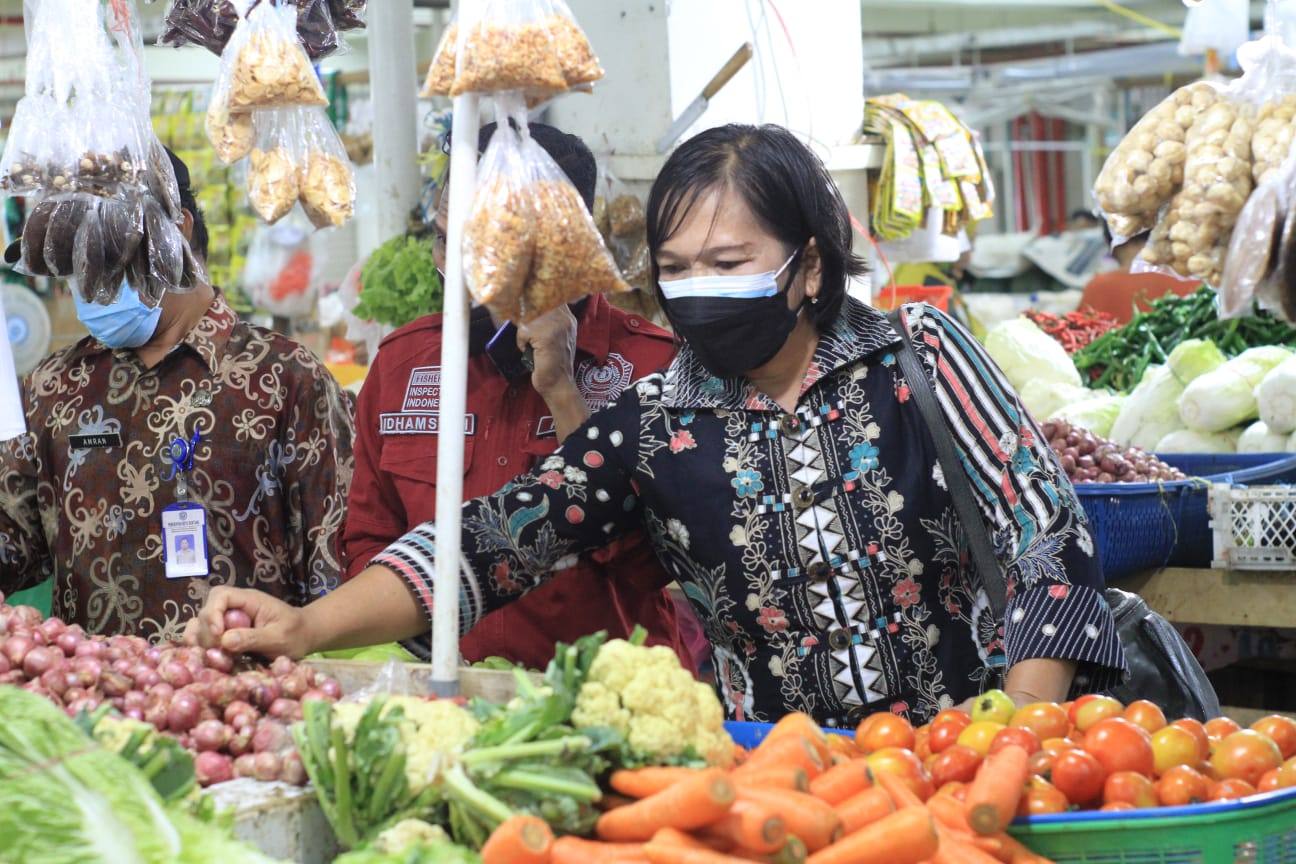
x: 496, y: 46
x: 269, y: 67
x: 1147, y: 167
x: 325, y: 179
x: 273, y: 166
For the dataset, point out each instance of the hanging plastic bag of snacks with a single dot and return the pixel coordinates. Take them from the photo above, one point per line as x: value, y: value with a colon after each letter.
x: 348, y: 14
x: 580, y: 65
x: 231, y: 132
x: 104, y: 244
x: 111, y: 149
x: 501, y: 45
x: 570, y: 260
x: 272, y: 166
x: 441, y: 74
x: 38, y: 153
x: 499, y: 234
x: 1147, y: 167
x: 165, y: 246
x: 211, y: 23
x: 325, y: 179
x: 1254, y: 255
x: 266, y: 65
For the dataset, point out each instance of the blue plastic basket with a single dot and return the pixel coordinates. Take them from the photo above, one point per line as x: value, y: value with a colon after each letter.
x: 750, y: 735
x: 1146, y: 526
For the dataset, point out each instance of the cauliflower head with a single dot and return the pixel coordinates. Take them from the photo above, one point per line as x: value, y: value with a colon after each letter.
x: 646, y: 695
x: 432, y: 731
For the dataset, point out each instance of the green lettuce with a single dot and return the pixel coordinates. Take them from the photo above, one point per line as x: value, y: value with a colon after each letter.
x: 399, y: 283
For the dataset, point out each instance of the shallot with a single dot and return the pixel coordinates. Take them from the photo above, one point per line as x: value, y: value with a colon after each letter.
x: 211, y: 767
x: 237, y: 619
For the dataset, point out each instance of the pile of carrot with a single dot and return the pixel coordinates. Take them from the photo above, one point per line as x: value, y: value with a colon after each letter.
x: 798, y: 797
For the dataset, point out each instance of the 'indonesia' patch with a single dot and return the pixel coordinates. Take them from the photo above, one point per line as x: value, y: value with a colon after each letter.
x: 423, y: 392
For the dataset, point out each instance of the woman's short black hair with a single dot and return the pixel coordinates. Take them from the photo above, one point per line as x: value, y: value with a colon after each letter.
x: 784, y: 183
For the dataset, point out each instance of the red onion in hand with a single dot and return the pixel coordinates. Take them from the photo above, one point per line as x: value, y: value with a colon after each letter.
x: 237, y: 619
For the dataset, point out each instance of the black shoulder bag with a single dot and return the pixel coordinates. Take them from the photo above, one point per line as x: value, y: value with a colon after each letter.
x: 1162, y: 667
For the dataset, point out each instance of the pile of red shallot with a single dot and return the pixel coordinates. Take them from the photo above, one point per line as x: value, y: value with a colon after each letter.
x: 1087, y: 458
x: 236, y: 721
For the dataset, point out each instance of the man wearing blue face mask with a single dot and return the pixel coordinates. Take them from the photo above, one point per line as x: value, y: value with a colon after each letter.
x: 174, y: 448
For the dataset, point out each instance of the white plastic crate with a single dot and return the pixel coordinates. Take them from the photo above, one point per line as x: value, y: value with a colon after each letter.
x: 1254, y: 527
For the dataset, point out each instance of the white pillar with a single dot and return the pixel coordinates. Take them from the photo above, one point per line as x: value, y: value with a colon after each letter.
x: 393, y: 85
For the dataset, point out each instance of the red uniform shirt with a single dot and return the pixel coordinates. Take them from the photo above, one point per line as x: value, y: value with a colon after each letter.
x: 509, y: 429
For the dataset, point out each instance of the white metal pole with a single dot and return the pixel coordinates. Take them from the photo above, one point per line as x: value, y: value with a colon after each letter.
x: 454, y: 401
x: 392, y: 79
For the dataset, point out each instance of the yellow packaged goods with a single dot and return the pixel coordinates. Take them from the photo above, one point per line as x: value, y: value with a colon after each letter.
x: 1193, y: 238
x: 1144, y: 170
x: 1275, y: 126
x: 499, y: 235
x: 272, y: 183
x: 576, y: 55
x: 441, y: 74
x: 326, y: 181
x: 268, y: 68
x: 570, y: 258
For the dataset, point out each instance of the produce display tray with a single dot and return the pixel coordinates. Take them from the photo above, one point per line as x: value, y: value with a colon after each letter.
x: 282, y: 821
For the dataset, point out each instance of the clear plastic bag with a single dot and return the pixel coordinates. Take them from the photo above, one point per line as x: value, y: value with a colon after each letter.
x: 1146, y: 168
x: 231, y: 133
x: 38, y: 153
x: 105, y: 243
x: 266, y: 65
x: 279, y: 276
x: 112, y: 149
x: 272, y: 166
x: 348, y: 14
x: 325, y: 178
x: 576, y: 55
x: 499, y: 234
x: 211, y: 24
x: 164, y: 247
x: 505, y: 45
x: 1254, y: 254
x: 35, y: 231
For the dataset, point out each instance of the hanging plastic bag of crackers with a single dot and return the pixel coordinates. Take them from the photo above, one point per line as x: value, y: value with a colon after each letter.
x: 231, y: 132
x: 325, y: 178
x: 266, y: 65
x: 273, y: 164
x: 499, y: 234
x: 496, y: 46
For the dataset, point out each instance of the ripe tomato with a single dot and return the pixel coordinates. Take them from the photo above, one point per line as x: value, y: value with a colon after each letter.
x: 1281, y: 729
x: 1023, y: 738
x: 1198, y: 730
x: 1041, y: 763
x: 922, y: 743
x: 1146, y: 714
x: 1058, y: 745
x: 1045, y: 719
x: 1270, y: 781
x: 1089, y: 712
x: 1173, y: 746
x: 1231, y: 790
x: 1131, y: 788
x: 958, y: 764
x: 1079, y: 776
x: 1245, y: 755
x: 979, y: 736
x: 1042, y: 798
x: 1181, y: 786
x: 1287, y: 774
x: 903, y: 764
x: 1120, y: 746
x: 883, y: 730
x: 1221, y: 727
x: 1117, y: 807
x: 946, y: 728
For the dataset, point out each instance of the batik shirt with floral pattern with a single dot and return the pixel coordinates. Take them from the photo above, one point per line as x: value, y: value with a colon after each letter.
x: 820, y: 548
x: 271, y: 469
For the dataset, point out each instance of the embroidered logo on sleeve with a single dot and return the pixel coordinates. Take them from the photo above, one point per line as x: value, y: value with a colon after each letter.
x: 601, y: 383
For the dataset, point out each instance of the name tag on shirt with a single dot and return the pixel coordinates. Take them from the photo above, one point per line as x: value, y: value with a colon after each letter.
x: 184, y: 540
x: 99, y: 440
x: 419, y: 423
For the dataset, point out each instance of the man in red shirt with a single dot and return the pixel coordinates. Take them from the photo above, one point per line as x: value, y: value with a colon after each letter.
x: 583, y: 357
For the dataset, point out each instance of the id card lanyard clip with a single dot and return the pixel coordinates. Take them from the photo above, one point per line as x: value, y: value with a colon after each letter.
x: 184, y: 523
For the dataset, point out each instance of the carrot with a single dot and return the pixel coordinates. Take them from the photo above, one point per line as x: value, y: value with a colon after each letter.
x: 776, y: 777
x: 950, y: 813
x: 907, y: 836
x: 611, y: 801
x: 841, y: 781
x: 752, y: 826
x: 659, y: 854
x: 788, y: 750
x: 955, y: 850
x: 642, y: 782
x: 520, y: 839
x: 805, y: 816
x: 675, y: 837
x: 691, y: 803
x: 574, y: 850
x: 864, y: 809
x: 898, y: 789
x: 798, y: 724
x: 996, y: 790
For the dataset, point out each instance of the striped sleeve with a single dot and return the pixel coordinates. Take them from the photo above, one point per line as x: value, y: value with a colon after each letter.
x: 1056, y: 608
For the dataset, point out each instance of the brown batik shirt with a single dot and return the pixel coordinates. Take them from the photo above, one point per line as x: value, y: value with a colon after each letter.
x: 81, y: 495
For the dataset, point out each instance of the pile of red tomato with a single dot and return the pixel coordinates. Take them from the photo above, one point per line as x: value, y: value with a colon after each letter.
x: 1091, y: 754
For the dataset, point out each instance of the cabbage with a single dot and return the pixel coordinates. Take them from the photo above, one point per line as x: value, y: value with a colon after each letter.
x: 1188, y: 441
x: 1096, y: 414
x: 1026, y: 353
x: 1225, y: 397
x: 1259, y: 438
x: 1042, y: 399
x: 1276, y: 396
x: 1152, y: 410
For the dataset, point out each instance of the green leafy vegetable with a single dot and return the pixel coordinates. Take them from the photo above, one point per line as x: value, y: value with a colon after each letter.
x: 399, y: 283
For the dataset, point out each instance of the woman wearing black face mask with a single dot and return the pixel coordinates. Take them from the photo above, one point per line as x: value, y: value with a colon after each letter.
x: 786, y: 479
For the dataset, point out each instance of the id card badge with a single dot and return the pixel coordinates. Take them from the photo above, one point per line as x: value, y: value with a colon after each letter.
x: 184, y: 539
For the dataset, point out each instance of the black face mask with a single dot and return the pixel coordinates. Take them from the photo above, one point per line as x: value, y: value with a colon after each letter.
x: 727, y: 329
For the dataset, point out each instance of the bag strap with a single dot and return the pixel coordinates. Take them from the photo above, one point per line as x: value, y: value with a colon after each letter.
x: 956, y: 480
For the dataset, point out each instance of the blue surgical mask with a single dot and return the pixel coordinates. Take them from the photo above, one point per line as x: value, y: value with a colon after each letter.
x: 124, y: 323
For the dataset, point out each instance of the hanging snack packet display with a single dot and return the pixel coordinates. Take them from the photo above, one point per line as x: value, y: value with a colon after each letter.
x: 499, y: 234
x: 508, y: 46
x: 211, y: 23
x: 441, y: 74
x: 267, y: 67
x: 1146, y: 168
x: 272, y: 166
x: 38, y: 155
x: 112, y: 149
x: 570, y: 259
x: 348, y: 14
x: 1274, y: 132
x: 231, y: 132
x: 580, y: 65
x: 104, y: 245
x: 326, y: 181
